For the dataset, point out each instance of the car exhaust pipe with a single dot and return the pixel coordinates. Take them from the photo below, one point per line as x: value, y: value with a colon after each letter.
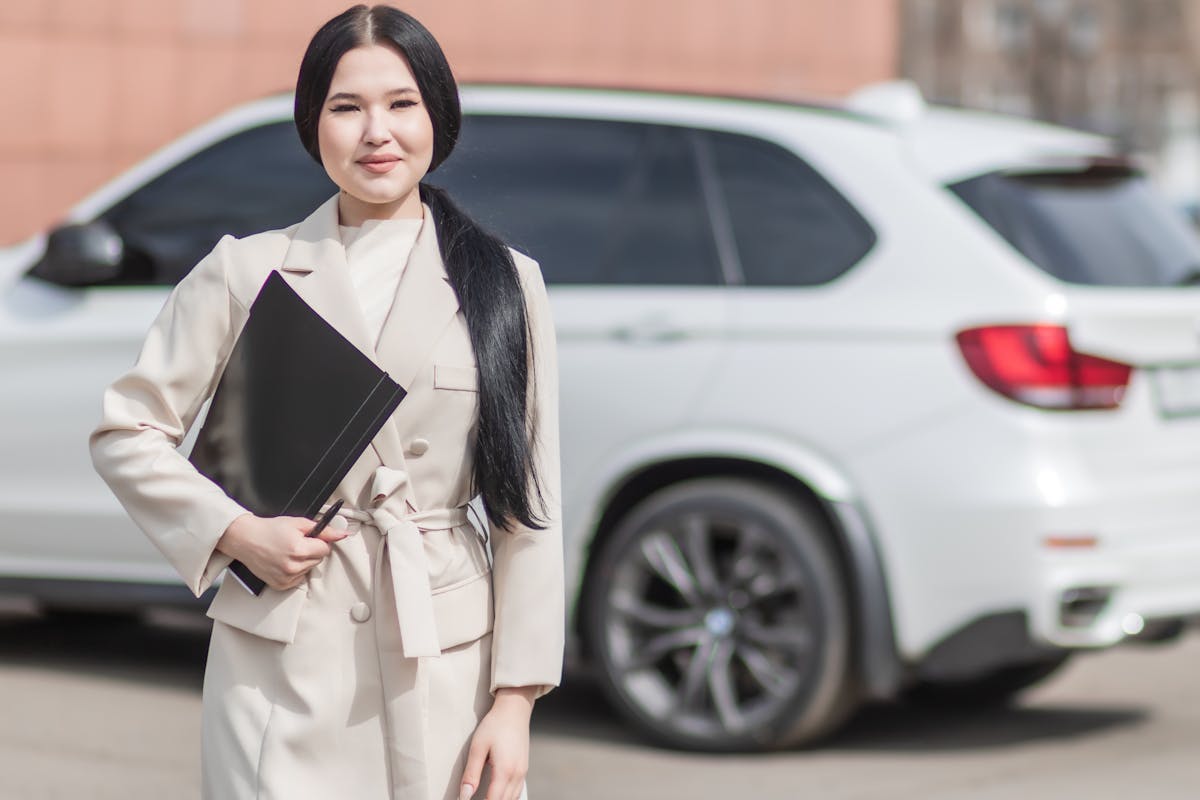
x: 1079, y: 607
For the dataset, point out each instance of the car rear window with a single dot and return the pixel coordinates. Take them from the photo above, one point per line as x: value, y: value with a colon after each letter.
x: 1101, y: 226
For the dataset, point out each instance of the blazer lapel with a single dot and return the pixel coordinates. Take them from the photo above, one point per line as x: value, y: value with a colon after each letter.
x: 425, y: 304
x: 315, y: 266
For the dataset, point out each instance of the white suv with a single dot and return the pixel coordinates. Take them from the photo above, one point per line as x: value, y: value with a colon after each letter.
x: 852, y: 403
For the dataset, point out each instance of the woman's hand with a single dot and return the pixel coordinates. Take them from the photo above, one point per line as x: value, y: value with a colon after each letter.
x: 502, y: 740
x: 275, y: 548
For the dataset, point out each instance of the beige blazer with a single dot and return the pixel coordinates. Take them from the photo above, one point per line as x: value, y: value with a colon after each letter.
x: 415, y: 476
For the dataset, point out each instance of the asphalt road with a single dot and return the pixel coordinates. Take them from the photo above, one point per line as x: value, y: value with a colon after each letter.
x: 112, y: 711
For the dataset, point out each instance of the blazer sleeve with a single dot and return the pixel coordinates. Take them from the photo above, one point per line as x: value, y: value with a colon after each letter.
x: 530, y: 622
x: 146, y: 413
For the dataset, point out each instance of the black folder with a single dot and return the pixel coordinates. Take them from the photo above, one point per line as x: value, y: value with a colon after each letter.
x: 296, y: 405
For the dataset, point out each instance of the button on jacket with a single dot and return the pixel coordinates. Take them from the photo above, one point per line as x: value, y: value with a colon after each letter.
x: 367, y: 680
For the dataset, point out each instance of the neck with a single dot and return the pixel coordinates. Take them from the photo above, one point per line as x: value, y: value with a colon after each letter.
x: 354, y: 212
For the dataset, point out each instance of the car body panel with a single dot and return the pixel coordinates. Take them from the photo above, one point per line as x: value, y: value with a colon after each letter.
x: 854, y: 387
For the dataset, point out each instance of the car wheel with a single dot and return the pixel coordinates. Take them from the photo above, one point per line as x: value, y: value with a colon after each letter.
x: 719, y: 618
x: 987, y: 691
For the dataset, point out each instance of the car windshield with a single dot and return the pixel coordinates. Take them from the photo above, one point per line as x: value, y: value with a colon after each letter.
x: 1101, y: 226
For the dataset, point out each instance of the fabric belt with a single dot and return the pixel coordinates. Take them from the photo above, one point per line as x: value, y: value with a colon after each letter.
x: 400, y: 528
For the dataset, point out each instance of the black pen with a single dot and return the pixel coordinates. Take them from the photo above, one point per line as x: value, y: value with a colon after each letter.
x: 325, y: 519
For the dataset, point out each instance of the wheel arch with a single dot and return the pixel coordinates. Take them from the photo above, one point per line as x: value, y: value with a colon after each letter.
x: 811, y: 480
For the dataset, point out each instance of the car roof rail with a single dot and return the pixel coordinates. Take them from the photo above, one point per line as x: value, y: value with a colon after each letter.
x: 898, y: 101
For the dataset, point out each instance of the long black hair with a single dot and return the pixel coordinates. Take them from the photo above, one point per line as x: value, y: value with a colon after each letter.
x: 480, y: 265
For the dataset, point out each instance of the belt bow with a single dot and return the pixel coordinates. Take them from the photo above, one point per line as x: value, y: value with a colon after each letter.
x: 400, y: 528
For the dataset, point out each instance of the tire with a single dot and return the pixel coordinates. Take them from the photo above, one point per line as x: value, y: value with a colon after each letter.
x: 994, y: 689
x: 719, y: 619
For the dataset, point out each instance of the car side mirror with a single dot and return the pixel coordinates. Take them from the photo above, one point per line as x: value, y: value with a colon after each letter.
x: 81, y: 255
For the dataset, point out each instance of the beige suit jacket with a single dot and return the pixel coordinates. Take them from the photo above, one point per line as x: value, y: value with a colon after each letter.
x: 421, y: 461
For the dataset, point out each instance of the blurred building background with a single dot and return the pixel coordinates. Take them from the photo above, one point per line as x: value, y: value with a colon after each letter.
x: 92, y: 86
x: 95, y: 85
x: 1124, y: 68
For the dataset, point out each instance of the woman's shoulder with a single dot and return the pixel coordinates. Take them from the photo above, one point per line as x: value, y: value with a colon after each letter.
x: 265, y: 243
x: 247, y: 260
x: 533, y: 287
x: 528, y: 269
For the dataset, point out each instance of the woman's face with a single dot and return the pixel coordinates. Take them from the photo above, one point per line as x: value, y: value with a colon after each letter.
x: 375, y: 135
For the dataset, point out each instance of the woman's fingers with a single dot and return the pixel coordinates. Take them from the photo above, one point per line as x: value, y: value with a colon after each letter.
x: 510, y: 784
x: 507, y: 776
x: 476, y: 758
x: 288, y: 568
x: 503, y: 741
x: 333, y: 532
x: 501, y: 786
x: 306, y: 549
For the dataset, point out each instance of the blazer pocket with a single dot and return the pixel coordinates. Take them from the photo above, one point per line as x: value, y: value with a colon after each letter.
x: 272, y: 615
x: 463, y: 610
x: 463, y: 379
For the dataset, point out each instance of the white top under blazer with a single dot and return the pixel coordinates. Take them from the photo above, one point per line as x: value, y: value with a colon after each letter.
x: 377, y: 252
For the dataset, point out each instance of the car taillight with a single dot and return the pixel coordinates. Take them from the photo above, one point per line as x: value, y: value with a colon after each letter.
x: 1035, y: 365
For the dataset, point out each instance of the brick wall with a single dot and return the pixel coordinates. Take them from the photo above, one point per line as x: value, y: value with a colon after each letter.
x: 92, y: 86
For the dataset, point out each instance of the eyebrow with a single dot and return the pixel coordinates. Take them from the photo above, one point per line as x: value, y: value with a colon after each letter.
x: 352, y: 96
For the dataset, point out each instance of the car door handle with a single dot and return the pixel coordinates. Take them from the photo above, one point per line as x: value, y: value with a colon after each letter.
x: 649, y: 330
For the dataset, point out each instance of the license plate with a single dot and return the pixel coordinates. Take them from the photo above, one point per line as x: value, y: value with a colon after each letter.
x: 1178, y: 390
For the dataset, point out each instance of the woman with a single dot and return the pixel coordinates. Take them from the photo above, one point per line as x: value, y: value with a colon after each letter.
x: 387, y: 658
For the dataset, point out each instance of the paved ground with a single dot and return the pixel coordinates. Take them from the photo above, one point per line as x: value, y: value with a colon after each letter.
x: 112, y: 711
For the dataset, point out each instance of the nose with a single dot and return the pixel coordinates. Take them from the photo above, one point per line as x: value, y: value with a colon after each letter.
x: 376, y: 130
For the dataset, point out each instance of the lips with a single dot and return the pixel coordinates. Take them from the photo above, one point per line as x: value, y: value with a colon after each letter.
x: 379, y: 164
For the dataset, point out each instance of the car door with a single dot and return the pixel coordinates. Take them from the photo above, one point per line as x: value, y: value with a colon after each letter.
x: 807, y: 351
x: 63, y: 345
x: 616, y: 215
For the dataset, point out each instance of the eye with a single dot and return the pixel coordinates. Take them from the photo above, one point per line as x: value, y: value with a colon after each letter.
x: 404, y: 103
x: 343, y: 107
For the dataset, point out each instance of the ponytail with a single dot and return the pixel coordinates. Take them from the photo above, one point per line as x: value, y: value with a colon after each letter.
x: 484, y: 276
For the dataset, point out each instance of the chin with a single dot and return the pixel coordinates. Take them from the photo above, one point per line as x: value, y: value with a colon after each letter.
x: 378, y: 195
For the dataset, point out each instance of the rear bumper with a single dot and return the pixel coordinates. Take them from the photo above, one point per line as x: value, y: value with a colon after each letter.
x: 966, y: 512
x: 1138, y: 580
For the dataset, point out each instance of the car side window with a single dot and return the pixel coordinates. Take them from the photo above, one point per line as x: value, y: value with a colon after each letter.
x: 255, y: 180
x: 665, y: 236
x: 594, y: 201
x: 791, y: 227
